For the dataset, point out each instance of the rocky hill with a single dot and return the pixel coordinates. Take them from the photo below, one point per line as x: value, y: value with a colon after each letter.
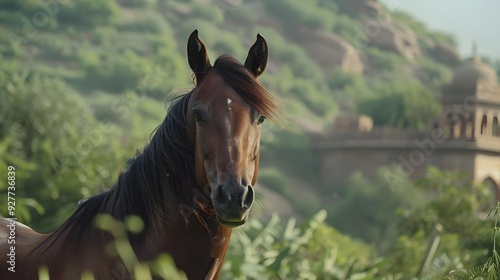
x: 126, y: 58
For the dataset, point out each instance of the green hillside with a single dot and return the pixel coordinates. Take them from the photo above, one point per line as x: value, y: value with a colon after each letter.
x: 108, y: 48
x: 126, y: 58
x: 84, y: 83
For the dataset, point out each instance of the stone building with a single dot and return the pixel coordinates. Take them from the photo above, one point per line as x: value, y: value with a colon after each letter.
x: 465, y: 138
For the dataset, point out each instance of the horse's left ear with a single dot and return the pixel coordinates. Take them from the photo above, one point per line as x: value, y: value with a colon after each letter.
x: 197, y: 56
x: 257, y: 56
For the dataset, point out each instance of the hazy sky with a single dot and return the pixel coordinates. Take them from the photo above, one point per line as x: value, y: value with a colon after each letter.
x: 468, y: 20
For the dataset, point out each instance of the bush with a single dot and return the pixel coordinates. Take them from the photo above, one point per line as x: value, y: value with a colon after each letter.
x: 53, y: 139
x: 369, y: 209
x: 207, y: 12
x: 297, y: 14
x: 117, y: 73
x: 400, y: 103
x: 148, y: 22
x: 88, y: 13
x: 349, y: 29
x: 315, y: 99
x: 274, y: 252
x: 384, y: 60
x: 229, y: 44
x: 26, y: 6
x: 433, y: 74
x: 349, y: 87
x: 139, y: 3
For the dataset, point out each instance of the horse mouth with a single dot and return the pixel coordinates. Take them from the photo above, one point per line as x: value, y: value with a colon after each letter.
x: 231, y: 224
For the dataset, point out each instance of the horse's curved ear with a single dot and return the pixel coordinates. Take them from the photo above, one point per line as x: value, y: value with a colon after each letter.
x: 197, y: 56
x: 257, y: 56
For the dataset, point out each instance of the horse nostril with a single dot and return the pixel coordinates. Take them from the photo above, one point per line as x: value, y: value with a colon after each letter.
x: 221, y: 197
x: 248, y: 198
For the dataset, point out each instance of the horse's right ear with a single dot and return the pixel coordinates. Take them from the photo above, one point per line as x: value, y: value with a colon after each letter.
x: 197, y: 56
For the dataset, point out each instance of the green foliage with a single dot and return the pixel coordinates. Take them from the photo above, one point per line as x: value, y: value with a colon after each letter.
x: 400, y: 103
x: 120, y: 72
x: 139, y: 3
x: 205, y: 11
x: 88, y: 13
x: 275, y: 252
x: 373, y: 208
x: 440, y: 37
x: 162, y: 267
x: 241, y: 15
x: 350, y: 86
x: 148, y: 22
x: 415, y: 25
x: 490, y: 269
x: 313, y: 97
x: 60, y: 155
x: 296, y: 13
x: 383, y: 61
x: 15, y: 5
x: 349, y: 29
x: 454, y: 207
x: 228, y: 43
x: 432, y: 74
x: 123, y: 66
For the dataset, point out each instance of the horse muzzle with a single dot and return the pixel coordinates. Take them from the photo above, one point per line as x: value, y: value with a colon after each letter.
x: 232, y: 203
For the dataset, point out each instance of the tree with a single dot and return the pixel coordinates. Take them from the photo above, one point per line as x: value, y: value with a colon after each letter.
x: 454, y: 205
x: 400, y: 103
x: 58, y: 148
x: 371, y: 210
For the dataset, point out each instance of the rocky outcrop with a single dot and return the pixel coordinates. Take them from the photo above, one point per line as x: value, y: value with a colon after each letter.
x: 330, y: 51
x: 371, y: 8
x: 397, y: 37
x: 445, y: 53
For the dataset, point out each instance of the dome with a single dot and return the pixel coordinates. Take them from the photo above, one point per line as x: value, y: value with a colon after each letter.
x: 472, y: 72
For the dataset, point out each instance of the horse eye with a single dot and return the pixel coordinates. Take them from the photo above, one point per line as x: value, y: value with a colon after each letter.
x: 261, y: 119
x: 197, y: 117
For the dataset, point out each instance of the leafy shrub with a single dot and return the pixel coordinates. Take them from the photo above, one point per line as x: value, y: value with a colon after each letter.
x: 369, y: 210
x: 139, y: 3
x: 117, y: 73
x: 274, y: 252
x: 349, y: 29
x: 296, y: 13
x: 400, y: 103
x: 440, y: 37
x: 340, y: 79
x: 229, y: 44
x: 314, y: 98
x: 88, y: 13
x: 25, y: 6
x: 490, y: 268
x: 384, y: 60
x: 454, y: 207
x: 206, y: 11
x: 148, y: 22
x: 57, y: 145
x: 242, y: 15
x: 103, y: 35
x: 433, y: 74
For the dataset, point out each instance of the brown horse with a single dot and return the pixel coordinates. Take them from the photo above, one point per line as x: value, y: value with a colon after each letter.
x: 190, y: 185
